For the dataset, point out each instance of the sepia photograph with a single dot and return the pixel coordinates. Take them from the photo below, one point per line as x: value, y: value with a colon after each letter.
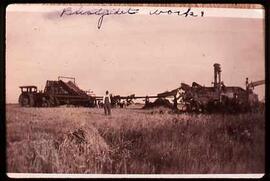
x: 139, y: 90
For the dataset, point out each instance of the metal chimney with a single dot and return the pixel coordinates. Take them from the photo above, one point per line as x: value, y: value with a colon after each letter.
x: 217, y: 75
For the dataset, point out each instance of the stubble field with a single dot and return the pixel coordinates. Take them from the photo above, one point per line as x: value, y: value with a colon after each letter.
x: 84, y: 140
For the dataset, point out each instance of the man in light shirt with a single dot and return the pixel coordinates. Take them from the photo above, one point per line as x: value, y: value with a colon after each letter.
x: 107, y: 103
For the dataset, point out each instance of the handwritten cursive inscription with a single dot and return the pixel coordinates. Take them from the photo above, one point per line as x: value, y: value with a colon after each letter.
x: 186, y: 13
x: 101, y: 12
x: 98, y: 12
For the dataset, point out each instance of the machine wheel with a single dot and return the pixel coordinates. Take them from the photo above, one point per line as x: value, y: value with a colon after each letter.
x: 45, y: 103
x: 24, y: 100
x: 50, y: 101
x: 186, y: 108
x: 195, y: 106
x: 31, y: 100
x: 212, y: 106
x: 201, y: 108
x: 56, y: 101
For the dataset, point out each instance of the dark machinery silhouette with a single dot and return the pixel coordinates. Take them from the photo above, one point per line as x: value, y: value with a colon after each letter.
x: 194, y: 98
x: 56, y: 93
x: 219, y: 98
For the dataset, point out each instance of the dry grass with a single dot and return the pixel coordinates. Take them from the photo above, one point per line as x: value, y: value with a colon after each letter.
x: 132, y: 141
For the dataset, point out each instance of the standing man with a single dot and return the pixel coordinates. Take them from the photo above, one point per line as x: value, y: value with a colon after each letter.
x: 107, y: 103
x: 98, y: 103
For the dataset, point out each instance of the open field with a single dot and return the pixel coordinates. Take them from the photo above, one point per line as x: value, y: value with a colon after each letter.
x: 83, y: 140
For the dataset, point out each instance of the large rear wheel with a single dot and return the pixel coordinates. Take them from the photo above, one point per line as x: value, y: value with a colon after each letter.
x: 24, y: 100
x: 31, y: 100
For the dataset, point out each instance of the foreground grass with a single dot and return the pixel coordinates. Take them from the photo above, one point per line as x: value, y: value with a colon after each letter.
x: 81, y: 140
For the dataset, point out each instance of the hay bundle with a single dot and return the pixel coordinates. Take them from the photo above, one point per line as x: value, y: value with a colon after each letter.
x: 82, y: 150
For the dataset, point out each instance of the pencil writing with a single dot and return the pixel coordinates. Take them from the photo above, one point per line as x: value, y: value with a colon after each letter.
x: 102, y: 12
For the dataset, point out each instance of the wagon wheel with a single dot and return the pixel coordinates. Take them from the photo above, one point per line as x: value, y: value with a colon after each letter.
x: 50, y: 101
x: 56, y: 101
x: 45, y: 102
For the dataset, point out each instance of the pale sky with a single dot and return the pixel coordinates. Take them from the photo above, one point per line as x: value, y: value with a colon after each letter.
x: 139, y: 54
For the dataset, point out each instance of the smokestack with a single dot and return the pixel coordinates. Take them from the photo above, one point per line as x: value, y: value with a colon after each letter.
x: 246, y: 83
x: 217, y: 75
